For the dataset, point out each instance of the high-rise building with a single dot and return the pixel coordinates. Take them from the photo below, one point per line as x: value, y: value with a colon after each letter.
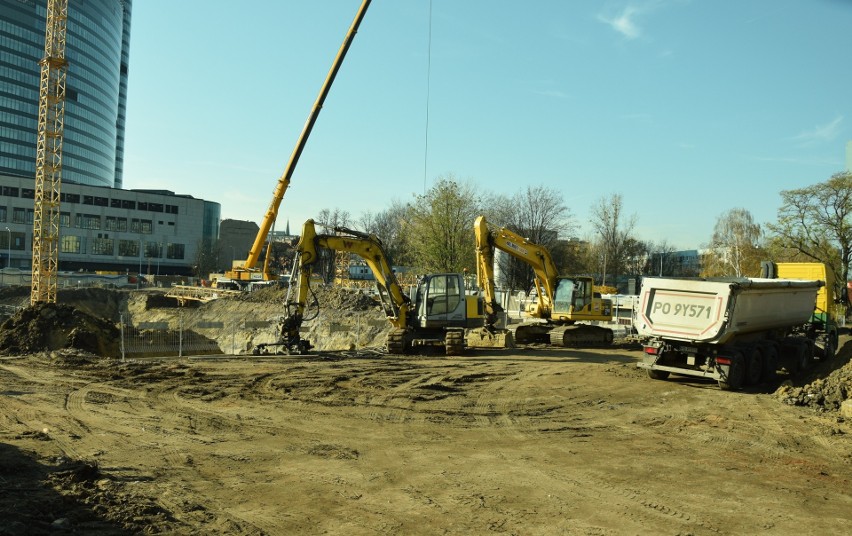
x: 98, y: 40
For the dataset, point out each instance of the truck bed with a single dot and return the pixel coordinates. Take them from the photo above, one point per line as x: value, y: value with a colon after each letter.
x: 716, y: 310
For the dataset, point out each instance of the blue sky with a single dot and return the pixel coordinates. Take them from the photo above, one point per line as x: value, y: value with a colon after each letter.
x: 687, y: 108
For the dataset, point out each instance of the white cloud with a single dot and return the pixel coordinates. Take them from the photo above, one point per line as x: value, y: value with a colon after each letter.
x: 827, y: 132
x: 552, y: 93
x: 625, y: 23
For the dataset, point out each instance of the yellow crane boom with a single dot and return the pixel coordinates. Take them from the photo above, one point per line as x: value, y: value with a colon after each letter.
x: 248, y: 271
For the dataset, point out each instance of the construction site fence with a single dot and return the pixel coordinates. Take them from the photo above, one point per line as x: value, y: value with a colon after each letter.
x: 176, y: 335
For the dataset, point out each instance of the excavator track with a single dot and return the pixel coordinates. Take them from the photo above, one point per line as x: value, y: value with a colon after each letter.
x: 396, y: 341
x: 580, y: 335
x: 454, y: 342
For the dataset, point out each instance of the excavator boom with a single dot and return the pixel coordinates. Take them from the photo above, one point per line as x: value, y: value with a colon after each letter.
x: 561, y: 301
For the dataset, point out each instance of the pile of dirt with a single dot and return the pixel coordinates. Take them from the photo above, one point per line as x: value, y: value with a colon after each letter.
x: 826, y: 388
x: 337, y: 298
x: 53, y: 326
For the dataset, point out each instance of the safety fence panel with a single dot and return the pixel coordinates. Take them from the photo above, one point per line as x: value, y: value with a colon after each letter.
x: 179, y: 335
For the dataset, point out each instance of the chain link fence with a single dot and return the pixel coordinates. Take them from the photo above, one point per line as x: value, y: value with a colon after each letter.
x: 176, y: 334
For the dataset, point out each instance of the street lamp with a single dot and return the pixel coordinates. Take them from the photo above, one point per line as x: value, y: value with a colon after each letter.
x: 9, y: 248
x: 159, y: 254
x: 139, y: 273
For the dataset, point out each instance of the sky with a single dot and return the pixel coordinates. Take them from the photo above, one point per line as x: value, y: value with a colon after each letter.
x: 685, y: 108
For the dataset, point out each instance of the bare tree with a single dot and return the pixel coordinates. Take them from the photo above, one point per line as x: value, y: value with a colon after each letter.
x: 329, y: 219
x: 389, y: 226
x: 614, y: 232
x: 735, y: 247
x: 816, y: 221
x: 540, y: 215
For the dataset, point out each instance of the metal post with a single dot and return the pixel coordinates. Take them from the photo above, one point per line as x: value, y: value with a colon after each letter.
x: 159, y: 255
x: 122, y: 337
x: 9, y: 249
x: 139, y: 273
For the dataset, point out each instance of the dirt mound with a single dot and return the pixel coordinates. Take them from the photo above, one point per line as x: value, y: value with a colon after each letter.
x: 338, y: 298
x: 825, y: 390
x: 53, y: 326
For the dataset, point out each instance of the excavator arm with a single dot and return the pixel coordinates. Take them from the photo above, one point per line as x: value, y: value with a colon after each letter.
x: 489, y: 239
x: 396, y: 303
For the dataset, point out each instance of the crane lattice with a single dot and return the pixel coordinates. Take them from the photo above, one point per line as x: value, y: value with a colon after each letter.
x: 51, y: 123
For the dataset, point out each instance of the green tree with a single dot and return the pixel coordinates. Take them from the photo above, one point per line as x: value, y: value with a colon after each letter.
x: 816, y: 222
x: 441, y: 227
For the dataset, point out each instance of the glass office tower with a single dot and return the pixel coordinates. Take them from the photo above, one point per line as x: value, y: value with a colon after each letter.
x: 97, y: 45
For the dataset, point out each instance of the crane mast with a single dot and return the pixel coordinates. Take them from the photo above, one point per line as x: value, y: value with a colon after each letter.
x: 51, y: 123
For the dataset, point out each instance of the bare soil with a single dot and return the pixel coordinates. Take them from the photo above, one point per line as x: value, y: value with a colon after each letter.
x: 527, y: 441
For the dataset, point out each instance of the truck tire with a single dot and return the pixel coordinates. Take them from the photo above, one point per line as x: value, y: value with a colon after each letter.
x: 658, y: 374
x: 736, y: 373
x: 804, y: 356
x: 828, y: 349
x: 770, y: 363
x: 754, y: 365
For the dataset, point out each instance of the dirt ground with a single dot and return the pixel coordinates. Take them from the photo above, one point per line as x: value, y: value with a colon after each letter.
x: 527, y: 441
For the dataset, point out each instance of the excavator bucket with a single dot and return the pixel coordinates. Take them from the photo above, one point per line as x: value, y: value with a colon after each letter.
x: 485, y: 338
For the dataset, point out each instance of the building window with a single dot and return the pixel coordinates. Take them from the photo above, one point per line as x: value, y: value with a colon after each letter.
x: 111, y: 223
x: 102, y: 246
x: 134, y: 225
x: 2, y: 214
x: 147, y: 226
x: 122, y: 224
x: 152, y: 250
x: 9, y: 191
x: 70, y: 244
x: 87, y: 221
x: 174, y: 251
x: 128, y: 248
x: 69, y: 198
x: 19, y: 215
x: 65, y: 219
x: 27, y: 193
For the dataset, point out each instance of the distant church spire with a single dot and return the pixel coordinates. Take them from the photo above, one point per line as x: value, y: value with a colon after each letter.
x: 287, y: 230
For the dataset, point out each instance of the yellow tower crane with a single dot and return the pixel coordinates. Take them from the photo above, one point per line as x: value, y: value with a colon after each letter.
x: 51, y: 122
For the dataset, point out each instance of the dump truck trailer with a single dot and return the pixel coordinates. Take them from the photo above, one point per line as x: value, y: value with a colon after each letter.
x: 736, y: 331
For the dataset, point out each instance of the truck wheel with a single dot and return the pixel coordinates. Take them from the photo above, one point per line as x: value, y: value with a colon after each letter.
x: 770, y: 363
x: 804, y: 356
x: 828, y: 348
x: 658, y: 374
x: 754, y: 366
x: 733, y: 381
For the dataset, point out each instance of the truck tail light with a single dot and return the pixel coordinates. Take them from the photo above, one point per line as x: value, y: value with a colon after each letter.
x: 650, y: 350
x: 723, y: 360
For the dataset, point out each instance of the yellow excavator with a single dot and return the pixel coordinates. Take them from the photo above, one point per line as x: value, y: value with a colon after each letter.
x: 564, y: 303
x: 440, y: 314
x: 240, y: 275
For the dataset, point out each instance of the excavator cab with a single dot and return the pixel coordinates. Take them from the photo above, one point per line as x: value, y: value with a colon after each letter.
x: 574, y: 300
x: 440, y: 301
